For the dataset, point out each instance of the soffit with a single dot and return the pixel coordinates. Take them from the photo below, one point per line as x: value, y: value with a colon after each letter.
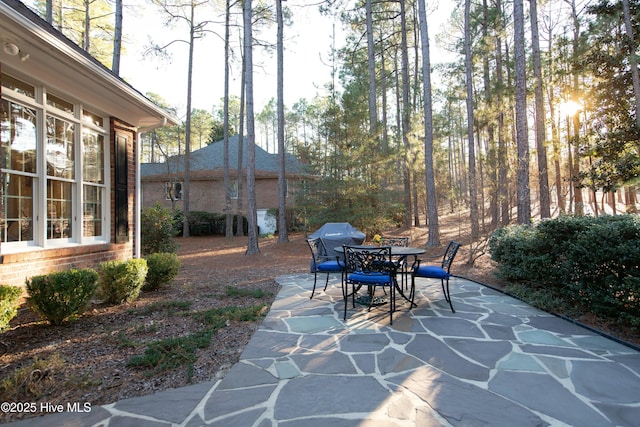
x: 50, y: 58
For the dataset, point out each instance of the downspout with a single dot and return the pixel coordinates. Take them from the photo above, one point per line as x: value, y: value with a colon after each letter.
x: 138, y: 193
x: 138, y: 199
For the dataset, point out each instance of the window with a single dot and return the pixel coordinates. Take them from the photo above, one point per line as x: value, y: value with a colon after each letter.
x: 53, y: 159
x: 18, y: 86
x: 233, y: 191
x: 173, y: 191
x: 93, y: 182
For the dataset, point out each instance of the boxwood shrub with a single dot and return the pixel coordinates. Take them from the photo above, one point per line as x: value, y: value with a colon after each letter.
x: 162, y: 268
x: 593, y: 262
x: 121, y: 281
x: 60, y: 295
x: 9, y: 298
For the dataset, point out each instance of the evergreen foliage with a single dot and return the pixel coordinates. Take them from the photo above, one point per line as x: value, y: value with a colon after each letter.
x: 593, y: 264
x: 121, y: 281
x: 612, y: 146
x: 60, y: 295
x: 162, y: 268
x: 9, y: 298
x: 158, y: 230
x: 203, y: 223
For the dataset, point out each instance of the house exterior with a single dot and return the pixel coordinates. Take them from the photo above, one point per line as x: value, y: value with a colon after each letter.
x: 69, y: 163
x: 162, y: 182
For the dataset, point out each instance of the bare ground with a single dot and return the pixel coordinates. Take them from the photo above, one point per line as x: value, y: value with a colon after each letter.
x: 92, y: 351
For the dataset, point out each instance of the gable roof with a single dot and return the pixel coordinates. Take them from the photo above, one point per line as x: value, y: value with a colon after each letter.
x: 209, y: 161
x: 47, y: 55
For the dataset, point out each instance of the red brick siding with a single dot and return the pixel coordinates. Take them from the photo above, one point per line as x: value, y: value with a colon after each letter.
x: 208, y: 194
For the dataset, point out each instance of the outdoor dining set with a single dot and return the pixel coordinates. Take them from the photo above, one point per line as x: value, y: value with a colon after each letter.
x: 388, y: 262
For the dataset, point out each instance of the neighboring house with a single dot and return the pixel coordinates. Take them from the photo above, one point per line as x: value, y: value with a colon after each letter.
x: 69, y: 139
x: 162, y: 182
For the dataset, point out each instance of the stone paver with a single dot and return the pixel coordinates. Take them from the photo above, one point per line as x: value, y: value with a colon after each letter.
x: 495, y: 362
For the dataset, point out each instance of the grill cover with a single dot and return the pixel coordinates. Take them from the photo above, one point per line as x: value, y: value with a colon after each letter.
x: 337, y: 234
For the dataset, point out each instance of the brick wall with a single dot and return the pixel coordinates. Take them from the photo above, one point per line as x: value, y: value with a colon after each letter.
x: 208, y: 194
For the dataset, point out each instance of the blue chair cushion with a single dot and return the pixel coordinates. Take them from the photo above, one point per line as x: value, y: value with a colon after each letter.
x: 431, y: 271
x: 330, y: 266
x: 370, y: 278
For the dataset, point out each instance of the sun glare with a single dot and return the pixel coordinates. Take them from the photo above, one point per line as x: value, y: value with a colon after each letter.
x: 570, y: 108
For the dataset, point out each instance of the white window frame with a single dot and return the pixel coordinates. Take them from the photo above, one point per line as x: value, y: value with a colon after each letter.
x: 40, y: 238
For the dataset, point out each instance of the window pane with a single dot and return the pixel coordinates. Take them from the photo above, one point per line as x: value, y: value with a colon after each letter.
x: 92, y: 157
x: 60, y: 103
x: 173, y: 191
x: 60, y: 156
x: 92, y: 211
x: 59, y: 209
x: 18, y: 85
x: 233, y: 191
x: 92, y: 118
x: 18, y: 137
x: 17, y: 225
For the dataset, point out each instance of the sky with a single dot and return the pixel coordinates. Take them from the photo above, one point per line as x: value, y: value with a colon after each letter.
x: 307, y: 67
x: 306, y: 62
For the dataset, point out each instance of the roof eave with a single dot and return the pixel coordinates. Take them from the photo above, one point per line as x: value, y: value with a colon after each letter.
x: 80, y: 76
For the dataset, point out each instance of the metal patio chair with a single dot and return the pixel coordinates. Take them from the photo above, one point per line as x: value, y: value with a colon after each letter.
x: 369, y: 267
x: 441, y: 272
x: 402, y: 266
x: 322, y: 263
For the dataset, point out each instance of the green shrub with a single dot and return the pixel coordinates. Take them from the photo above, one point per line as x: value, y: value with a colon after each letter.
x: 163, y: 268
x: 9, y: 297
x: 121, y: 281
x: 519, y: 252
x: 158, y: 230
x: 60, y: 295
x: 203, y: 223
x: 593, y: 264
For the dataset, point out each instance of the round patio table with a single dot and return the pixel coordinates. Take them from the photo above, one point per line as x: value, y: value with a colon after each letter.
x: 401, y: 252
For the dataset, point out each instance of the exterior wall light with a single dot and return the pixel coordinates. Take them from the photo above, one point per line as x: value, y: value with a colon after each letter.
x: 11, y: 49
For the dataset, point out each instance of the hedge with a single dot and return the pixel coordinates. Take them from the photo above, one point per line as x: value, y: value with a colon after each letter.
x: 594, y: 262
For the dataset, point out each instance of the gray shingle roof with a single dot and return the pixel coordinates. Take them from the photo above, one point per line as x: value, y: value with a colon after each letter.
x: 211, y: 158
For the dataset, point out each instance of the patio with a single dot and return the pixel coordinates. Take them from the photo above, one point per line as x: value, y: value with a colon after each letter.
x: 496, y: 361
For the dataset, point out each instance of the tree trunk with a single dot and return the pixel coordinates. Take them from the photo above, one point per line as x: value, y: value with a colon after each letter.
x: 522, y: 142
x: 555, y: 137
x: 239, y: 178
x: 503, y: 192
x: 578, y: 198
x: 252, y: 218
x: 432, y: 208
x: 187, y: 139
x: 633, y: 59
x: 283, y: 235
x: 228, y: 232
x: 373, y: 111
x: 86, y: 40
x: 49, y: 12
x: 383, y: 91
x: 406, y: 115
x: 492, y: 171
x: 473, y: 202
x: 117, y: 40
x: 543, y: 177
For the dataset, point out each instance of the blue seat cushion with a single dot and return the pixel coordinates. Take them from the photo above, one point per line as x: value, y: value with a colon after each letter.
x: 432, y: 271
x: 330, y: 266
x: 370, y: 278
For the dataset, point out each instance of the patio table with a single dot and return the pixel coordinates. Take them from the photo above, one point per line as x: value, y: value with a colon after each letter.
x: 401, y: 252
